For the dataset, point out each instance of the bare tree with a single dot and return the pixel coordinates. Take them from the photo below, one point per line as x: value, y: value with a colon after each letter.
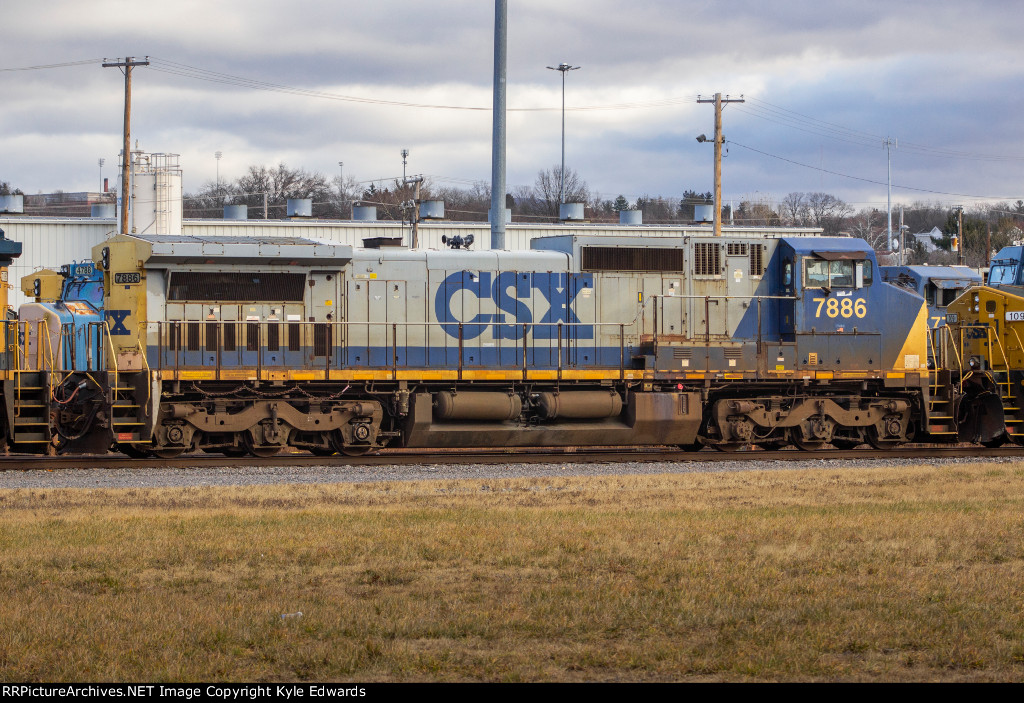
x: 794, y: 209
x: 547, y: 189
x: 828, y: 212
x: 757, y: 213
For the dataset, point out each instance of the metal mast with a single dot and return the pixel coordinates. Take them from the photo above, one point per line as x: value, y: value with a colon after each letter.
x: 563, y: 67
x: 890, y: 144
x: 498, y: 126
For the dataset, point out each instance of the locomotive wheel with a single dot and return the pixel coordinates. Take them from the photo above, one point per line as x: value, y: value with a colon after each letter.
x: 995, y: 442
x: 130, y: 450
x: 878, y: 443
x: 807, y: 445
x: 262, y: 451
x: 356, y: 451
x: 731, y: 447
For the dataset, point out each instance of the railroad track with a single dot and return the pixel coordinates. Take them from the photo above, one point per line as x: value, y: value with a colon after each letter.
x: 398, y: 457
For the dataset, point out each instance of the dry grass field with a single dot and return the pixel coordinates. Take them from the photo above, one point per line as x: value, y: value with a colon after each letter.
x: 867, y: 574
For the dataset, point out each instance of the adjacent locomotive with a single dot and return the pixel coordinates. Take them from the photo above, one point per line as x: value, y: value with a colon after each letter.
x: 9, y: 251
x: 239, y: 345
x: 938, y: 285
x: 984, y: 348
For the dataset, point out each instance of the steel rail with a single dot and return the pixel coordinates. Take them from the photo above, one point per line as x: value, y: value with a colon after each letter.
x: 510, y: 456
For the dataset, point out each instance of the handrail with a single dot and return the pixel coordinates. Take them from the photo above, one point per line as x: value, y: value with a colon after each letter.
x: 562, y: 339
x: 113, y: 354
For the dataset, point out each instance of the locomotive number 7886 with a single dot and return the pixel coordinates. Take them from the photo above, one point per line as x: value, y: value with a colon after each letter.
x: 847, y: 307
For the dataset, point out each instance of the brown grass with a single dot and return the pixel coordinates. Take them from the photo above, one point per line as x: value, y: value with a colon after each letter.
x: 881, y: 574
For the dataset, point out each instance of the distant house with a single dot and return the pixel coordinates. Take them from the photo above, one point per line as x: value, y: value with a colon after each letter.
x: 928, y: 239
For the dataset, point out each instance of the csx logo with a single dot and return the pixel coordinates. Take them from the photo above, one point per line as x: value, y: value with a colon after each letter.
x: 115, y: 319
x: 510, y: 293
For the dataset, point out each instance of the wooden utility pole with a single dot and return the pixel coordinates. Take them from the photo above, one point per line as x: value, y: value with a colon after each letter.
x: 719, y: 140
x: 128, y: 64
x: 960, y: 235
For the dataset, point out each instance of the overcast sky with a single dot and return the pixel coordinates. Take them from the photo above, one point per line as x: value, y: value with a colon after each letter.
x: 824, y: 82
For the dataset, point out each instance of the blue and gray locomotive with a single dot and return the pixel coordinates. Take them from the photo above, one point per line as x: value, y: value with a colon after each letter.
x: 253, y: 345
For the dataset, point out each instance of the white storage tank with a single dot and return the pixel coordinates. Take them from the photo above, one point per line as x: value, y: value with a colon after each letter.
x: 570, y: 212
x: 155, y: 206
x: 236, y: 212
x: 631, y: 217
x: 364, y: 213
x: 432, y: 210
x: 704, y: 213
x: 300, y: 207
x: 12, y: 203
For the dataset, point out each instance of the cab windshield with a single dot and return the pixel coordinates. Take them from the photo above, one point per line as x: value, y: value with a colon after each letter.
x: 1002, y: 273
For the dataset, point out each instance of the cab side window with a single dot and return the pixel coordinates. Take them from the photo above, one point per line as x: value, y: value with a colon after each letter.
x: 816, y: 274
x: 819, y: 273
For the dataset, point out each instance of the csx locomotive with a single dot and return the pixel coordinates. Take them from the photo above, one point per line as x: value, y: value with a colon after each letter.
x: 252, y: 345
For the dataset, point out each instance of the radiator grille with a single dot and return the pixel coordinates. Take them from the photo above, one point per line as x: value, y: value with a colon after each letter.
x: 707, y: 259
x: 756, y: 260
x: 736, y: 249
x: 247, y: 287
x: 632, y: 259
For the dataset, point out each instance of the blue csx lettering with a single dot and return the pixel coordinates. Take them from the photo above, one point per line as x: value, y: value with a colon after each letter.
x: 508, y: 290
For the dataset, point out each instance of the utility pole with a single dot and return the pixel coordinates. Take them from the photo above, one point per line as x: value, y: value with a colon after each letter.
x: 959, y: 234
x: 988, y: 243
x: 417, y: 181
x: 128, y: 64
x: 719, y: 140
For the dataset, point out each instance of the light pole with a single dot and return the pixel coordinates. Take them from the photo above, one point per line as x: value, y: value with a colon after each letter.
x: 217, y: 155
x: 405, y: 155
x: 101, y: 173
x: 563, y: 68
x: 889, y: 145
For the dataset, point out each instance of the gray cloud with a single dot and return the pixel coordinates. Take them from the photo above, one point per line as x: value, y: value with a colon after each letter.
x: 940, y: 75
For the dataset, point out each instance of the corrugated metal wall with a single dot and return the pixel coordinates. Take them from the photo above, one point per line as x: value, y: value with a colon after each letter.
x: 50, y: 242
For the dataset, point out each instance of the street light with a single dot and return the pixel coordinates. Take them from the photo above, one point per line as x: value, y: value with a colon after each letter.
x: 101, y: 172
x: 217, y: 155
x: 563, y: 68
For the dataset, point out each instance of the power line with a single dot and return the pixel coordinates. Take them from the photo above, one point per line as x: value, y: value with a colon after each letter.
x: 186, y: 71
x: 868, y: 180
x: 52, y: 65
x: 804, y: 123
